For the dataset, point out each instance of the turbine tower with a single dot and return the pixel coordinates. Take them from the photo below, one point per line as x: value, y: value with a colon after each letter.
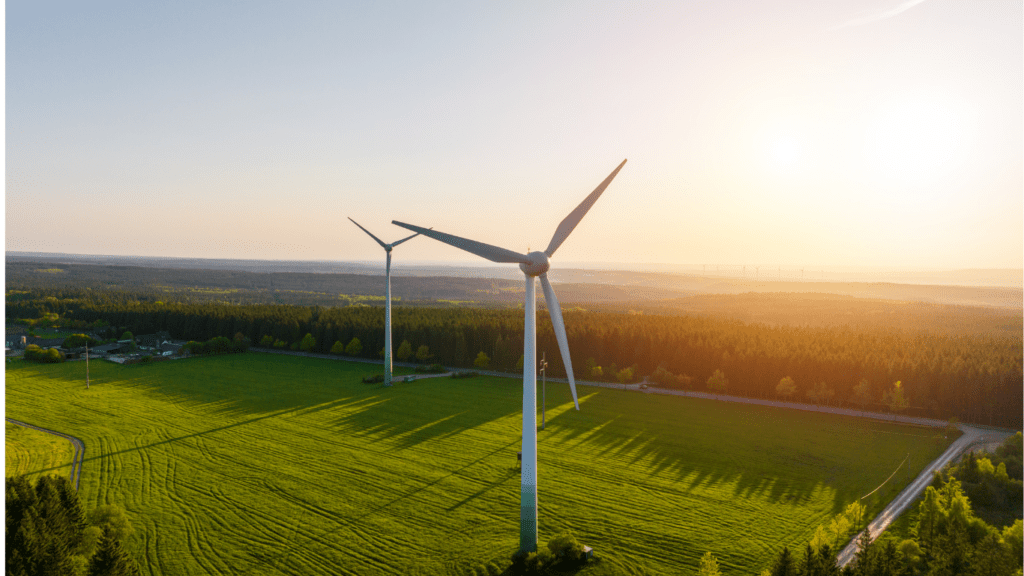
x: 533, y: 265
x: 387, y: 301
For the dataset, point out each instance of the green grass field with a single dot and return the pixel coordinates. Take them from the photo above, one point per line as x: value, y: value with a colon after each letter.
x: 270, y: 464
x: 36, y: 453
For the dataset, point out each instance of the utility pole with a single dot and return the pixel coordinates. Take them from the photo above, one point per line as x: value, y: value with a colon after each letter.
x: 86, y: 364
x: 544, y: 389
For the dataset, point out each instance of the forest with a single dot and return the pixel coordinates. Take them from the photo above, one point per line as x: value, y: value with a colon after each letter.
x: 974, y: 377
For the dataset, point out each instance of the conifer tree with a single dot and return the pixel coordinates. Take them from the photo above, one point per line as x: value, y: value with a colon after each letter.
x: 784, y: 564
x: 111, y: 559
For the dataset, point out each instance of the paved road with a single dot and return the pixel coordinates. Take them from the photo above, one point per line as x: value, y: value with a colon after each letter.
x: 972, y: 438
x: 76, y: 463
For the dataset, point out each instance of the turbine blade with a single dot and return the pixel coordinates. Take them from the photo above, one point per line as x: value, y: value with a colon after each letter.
x: 382, y: 245
x: 393, y: 244
x: 574, y: 217
x: 492, y: 253
x: 563, y: 342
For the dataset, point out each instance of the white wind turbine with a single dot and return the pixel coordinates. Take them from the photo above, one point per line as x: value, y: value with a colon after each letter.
x: 387, y: 301
x: 533, y: 265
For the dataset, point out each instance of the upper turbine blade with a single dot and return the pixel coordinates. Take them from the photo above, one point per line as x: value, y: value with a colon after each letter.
x: 382, y: 245
x: 574, y: 217
x: 563, y: 342
x: 492, y: 253
x: 393, y: 244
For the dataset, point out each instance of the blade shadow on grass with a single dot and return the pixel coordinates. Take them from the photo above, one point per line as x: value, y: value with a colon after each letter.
x: 440, y: 408
x: 780, y: 456
x: 438, y: 481
x: 186, y: 436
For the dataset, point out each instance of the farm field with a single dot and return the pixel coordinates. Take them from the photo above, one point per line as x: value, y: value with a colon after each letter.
x: 35, y: 453
x: 272, y: 464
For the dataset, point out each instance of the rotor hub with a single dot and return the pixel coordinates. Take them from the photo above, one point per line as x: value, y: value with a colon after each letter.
x: 538, y: 265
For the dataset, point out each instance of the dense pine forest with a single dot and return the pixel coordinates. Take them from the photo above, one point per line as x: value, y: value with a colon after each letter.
x: 975, y: 377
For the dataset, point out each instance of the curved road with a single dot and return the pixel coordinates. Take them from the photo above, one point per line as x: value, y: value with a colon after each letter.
x: 76, y: 463
x: 972, y: 437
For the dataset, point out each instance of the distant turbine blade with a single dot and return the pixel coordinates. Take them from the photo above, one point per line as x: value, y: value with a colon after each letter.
x: 393, y: 244
x: 492, y: 253
x: 574, y: 217
x: 563, y: 341
x: 382, y: 245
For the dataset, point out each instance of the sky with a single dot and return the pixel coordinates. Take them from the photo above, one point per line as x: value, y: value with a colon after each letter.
x: 845, y: 133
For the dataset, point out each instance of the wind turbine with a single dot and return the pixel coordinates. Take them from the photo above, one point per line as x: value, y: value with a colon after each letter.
x: 533, y: 265
x: 387, y: 301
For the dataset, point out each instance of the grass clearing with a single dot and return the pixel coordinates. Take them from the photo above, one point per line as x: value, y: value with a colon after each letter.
x: 274, y: 464
x: 28, y: 451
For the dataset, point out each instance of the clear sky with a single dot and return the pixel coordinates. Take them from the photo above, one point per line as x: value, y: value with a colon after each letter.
x: 847, y: 133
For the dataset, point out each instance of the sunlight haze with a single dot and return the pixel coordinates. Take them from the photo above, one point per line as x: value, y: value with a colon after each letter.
x: 880, y: 133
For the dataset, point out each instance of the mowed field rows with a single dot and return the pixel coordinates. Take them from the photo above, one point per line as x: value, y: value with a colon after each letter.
x: 36, y: 453
x: 270, y: 464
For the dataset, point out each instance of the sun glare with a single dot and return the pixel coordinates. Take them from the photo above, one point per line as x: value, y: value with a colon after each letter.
x: 784, y: 152
x: 917, y: 140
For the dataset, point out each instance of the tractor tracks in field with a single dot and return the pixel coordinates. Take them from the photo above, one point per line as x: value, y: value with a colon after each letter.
x: 79, y: 446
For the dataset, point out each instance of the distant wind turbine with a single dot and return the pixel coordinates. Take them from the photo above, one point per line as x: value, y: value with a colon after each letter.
x: 533, y: 265
x: 387, y: 301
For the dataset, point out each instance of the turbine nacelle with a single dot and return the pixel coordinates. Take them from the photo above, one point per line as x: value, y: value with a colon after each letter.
x: 534, y: 265
x: 537, y: 265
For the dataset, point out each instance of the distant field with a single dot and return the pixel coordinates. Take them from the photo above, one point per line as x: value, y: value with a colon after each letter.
x: 270, y: 464
x: 28, y: 451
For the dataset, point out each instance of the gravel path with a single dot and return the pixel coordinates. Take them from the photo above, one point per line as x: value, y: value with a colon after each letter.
x: 76, y: 463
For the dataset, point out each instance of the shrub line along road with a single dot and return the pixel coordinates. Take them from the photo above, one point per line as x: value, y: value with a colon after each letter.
x: 76, y: 462
x: 973, y: 436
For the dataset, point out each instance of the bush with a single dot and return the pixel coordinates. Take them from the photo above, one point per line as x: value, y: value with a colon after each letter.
x: 624, y: 376
x: 566, y: 547
x: 217, y: 345
x: 307, y: 343
x: 49, y: 356
x: 376, y: 379
x: 564, y: 554
x: 662, y: 377
x: 77, y: 340
x: 354, y: 347
x: 718, y: 381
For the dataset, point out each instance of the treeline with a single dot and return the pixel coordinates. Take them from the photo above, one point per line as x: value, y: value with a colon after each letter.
x: 976, y: 378
x: 48, y: 532
x: 949, y: 535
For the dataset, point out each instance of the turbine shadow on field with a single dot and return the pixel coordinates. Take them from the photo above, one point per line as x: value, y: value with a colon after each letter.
x: 439, y: 409
x: 693, y: 445
x: 185, y: 436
